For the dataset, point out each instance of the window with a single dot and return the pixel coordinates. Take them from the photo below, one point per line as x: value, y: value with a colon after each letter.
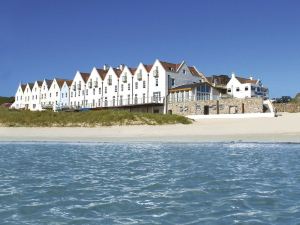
x: 66, y: 95
x: 144, y: 98
x: 56, y: 94
x: 144, y: 84
x: 246, y: 88
x: 86, y: 91
x: 121, y: 99
x: 99, y: 91
x: 50, y: 95
x: 105, y: 90
x: 237, y: 89
x: 128, y: 87
x: 62, y: 95
x: 172, y: 81
x: 78, y: 93
x: 229, y: 90
x: 136, y: 85
x: 135, y: 99
x: 184, y: 71
x: 105, y: 102
x: 156, y: 82
x: 128, y: 99
x: 122, y: 87
x: 116, y: 88
x: 114, y: 101
x: 94, y: 91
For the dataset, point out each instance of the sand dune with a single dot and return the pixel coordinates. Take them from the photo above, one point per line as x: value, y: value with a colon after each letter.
x: 284, y: 128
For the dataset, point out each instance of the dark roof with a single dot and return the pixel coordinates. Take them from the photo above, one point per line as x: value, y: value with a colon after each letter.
x: 40, y: 83
x: 148, y: 67
x: 60, y: 82
x: 102, y: 73
x: 23, y: 86
x: 245, y: 80
x: 170, y: 66
x: 48, y: 83
x: 221, y: 80
x: 69, y: 82
x: 132, y: 70
x: 117, y: 71
x: 85, y: 76
x: 31, y: 85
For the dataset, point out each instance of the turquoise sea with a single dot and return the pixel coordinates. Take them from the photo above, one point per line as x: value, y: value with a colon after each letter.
x: 149, y: 183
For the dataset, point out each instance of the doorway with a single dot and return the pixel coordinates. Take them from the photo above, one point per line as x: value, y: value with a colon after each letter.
x: 206, y: 110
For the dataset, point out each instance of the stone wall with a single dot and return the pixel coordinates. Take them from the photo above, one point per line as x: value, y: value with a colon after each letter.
x: 222, y: 106
x: 287, y: 107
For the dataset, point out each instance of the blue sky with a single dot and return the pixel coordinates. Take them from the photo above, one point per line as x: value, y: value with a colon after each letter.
x: 45, y: 39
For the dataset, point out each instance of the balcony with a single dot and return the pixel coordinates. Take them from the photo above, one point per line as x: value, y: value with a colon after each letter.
x: 95, y: 84
x: 139, y: 76
x: 124, y: 79
x: 155, y: 73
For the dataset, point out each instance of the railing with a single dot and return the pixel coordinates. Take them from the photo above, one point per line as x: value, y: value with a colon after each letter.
x: 121, y: 102
x: 139, y: 76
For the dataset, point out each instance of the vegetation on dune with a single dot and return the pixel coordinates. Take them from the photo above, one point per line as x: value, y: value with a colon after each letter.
x: 6, y: 100
x: 24, y: 118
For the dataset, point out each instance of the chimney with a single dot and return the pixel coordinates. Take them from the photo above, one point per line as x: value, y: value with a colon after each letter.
x: 105, y: 67
x: 121, y: 67
x: 251, y: 78
x: 233, y: 74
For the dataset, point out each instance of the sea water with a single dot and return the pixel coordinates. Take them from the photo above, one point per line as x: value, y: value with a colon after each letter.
x: 149, y: 183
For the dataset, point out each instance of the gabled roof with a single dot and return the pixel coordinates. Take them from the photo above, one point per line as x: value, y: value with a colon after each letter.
x: 195, y: 72
x: 170, y: 66
x: 60, y: 82
x: 117, y: 71
x: 245, y: 80
x: 102, y: 73
x: 85, y: 76
x: 218, y: 79
x: 69, y: 82
x: 23, y: 86
x: 148, y: 67
x: 39, y: 82
x: 48, y: 83
x: 132, y: 70
x: 30, y: 85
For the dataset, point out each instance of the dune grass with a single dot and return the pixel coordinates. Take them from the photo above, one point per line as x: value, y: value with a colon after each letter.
x: 24, y: 118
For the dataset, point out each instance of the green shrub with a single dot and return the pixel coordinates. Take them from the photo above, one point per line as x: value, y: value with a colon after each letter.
x: 27, y: 118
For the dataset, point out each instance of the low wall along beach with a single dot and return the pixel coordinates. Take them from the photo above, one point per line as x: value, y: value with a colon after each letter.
x: 212, y: 107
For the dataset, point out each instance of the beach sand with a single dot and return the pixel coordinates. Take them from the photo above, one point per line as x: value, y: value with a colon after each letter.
x: 284, y: 128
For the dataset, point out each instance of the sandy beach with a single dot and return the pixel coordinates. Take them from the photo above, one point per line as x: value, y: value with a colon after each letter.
x: 284, y: 128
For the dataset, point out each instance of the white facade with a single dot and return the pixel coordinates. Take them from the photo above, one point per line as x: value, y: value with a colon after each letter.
x: 125, y: 86
x: 45, y: 97
x: 239, y: 87
x: 78, y: 90
x: 35, y: 104
x: 19, y: 97
x: 65, y: 94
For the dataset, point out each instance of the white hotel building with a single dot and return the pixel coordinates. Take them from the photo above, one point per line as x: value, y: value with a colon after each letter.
x: 144, y: 88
